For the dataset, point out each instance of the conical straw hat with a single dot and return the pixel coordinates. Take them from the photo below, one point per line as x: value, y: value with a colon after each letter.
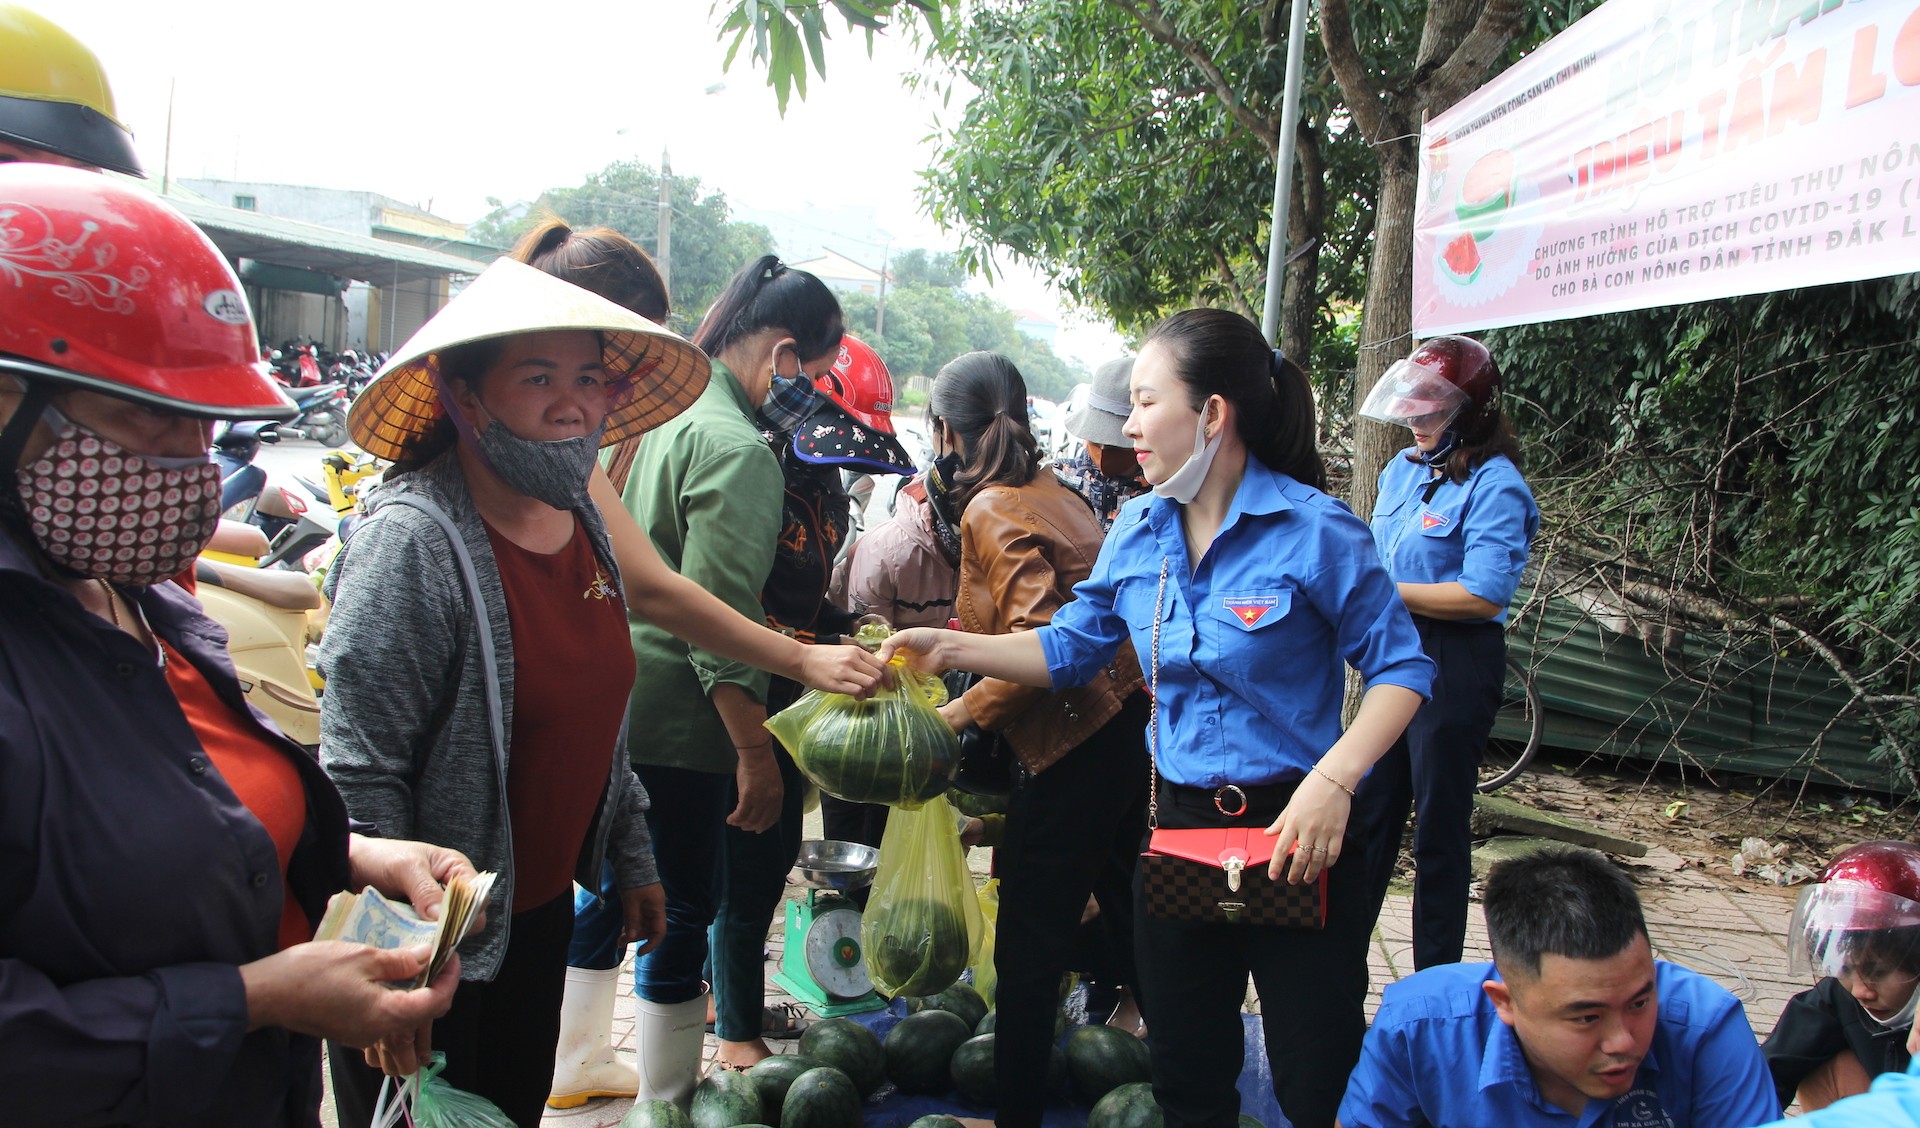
x: 663, y: 371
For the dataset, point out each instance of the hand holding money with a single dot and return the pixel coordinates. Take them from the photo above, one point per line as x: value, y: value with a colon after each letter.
x: 369, y: 918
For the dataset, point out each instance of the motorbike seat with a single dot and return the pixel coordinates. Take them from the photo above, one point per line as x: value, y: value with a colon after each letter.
x: 287, y: 591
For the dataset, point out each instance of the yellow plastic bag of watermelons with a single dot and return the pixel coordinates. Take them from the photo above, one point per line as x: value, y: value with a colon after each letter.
x: 922, y: 922
x: 891, y: 748
x: 985, y: 979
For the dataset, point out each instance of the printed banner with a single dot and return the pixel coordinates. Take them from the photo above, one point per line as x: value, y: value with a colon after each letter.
x: 1666, y: 151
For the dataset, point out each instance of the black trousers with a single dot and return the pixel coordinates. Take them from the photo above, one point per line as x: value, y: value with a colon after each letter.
x: 1312, y: 985
x: 1072, y: 831
x: 499, y: 1036
x: 1433, y: 767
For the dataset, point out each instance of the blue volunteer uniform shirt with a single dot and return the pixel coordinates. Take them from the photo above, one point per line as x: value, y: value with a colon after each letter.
x: 1253, y: 645
x: 1476, y: 532
x: 1439, y: 1055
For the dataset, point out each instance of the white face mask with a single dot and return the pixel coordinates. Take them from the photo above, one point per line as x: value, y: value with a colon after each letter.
x: 1185, y: 482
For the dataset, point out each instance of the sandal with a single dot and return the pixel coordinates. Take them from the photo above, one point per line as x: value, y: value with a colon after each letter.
x: 782, y: 1021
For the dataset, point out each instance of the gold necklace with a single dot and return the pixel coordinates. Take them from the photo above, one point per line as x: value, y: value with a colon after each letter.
x: 106, y: 589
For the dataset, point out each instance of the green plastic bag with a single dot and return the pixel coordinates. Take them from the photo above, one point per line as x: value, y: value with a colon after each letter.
x: 892, y: 748
x: 425, y: 1101
x: 922, y: 924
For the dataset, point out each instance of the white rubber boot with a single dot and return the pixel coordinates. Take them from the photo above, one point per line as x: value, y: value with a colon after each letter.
x: 668, y: 1038
x: 585, y: 1065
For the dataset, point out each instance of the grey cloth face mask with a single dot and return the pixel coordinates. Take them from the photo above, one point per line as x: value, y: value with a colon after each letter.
x: 555, y: 472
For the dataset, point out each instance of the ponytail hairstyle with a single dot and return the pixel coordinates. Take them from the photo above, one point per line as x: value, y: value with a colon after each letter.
x: 982, y: 397
x: 601, y: 260
x: 1219, y: 353
x: 769, y: 294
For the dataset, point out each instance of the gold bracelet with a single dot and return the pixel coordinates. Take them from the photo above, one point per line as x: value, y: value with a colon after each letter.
x: 1329, y: 778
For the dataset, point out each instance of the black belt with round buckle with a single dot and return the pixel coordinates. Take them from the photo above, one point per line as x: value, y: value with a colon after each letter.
x: 1219, y: 800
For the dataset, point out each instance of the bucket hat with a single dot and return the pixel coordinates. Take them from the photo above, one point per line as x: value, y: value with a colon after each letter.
x: 1096, y: 416
x: 656, y: 373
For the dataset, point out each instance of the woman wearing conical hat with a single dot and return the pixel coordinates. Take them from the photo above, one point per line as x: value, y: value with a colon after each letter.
x: 478, y: 662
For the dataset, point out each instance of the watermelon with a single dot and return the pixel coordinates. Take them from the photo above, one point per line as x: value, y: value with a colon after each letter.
x: 986, y: 1024
x: 920, y: 1047
x: 1100, y: 1059
x: 936, y: 1121
x: 1129, y: 1106
x: 773, y: 1076
x: 960, y: 999
x: 972, y: 1071
x: 848, y: 1047
x: 888, y: 748
x: 1250, y: 1122
x: 976, y: 806
x: 822, y: 1097
x: 1463, y: 257
x: 725, y: 1099
x: 655, y: 1114
x: 917, y: 946
x: 1057, y: 1085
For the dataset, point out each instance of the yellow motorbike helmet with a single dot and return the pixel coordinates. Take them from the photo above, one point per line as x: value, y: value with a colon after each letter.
x: 54, y: 95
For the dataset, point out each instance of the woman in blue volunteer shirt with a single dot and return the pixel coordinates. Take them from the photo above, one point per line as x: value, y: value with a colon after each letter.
x: 1262, y: 588
x: 1453, y: 522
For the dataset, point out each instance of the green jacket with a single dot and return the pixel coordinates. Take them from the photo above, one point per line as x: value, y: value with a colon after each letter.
x: 706, y: 488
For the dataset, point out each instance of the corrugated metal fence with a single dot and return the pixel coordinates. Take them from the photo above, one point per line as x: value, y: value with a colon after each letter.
x: 1699, y: 699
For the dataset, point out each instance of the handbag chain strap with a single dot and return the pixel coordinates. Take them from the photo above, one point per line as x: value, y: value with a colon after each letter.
x: 1153, y: 707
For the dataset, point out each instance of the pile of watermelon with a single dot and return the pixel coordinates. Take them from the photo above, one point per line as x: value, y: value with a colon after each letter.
x: 945, y: 1045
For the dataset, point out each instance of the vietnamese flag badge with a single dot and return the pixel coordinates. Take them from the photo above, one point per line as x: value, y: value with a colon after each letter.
x: 1250, y: 609
x: 1431, y: 520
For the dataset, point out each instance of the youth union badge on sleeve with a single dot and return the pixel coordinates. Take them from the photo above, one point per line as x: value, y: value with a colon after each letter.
x: 1250, y: 609
x: 1431, y: 520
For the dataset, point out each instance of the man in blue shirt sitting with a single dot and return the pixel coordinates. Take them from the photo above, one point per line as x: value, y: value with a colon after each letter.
x: 1574, y: 1023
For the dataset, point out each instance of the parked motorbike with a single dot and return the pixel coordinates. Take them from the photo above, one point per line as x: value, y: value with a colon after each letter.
x: 322, y: 417
x: 235, y: 445
x: 269, y: 617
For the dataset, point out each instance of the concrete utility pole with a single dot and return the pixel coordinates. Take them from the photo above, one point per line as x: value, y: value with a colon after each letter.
x: 880, y: 313
x: 663, y: 244
x: 1283, y: 175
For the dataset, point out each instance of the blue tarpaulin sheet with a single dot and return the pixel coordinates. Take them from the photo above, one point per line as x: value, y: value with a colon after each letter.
x: 890, y: 1108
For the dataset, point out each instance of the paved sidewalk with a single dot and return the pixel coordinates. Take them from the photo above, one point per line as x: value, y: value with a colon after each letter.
x: 1735, y: 935
x: 1732, y: 932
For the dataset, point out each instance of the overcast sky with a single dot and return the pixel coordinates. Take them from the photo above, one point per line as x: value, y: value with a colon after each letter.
x: 444, y: 105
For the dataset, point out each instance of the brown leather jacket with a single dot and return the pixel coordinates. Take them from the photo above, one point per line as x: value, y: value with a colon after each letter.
x: 1022, y: 550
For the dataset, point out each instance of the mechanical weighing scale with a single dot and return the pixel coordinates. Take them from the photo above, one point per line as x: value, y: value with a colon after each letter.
x: 823, y: 965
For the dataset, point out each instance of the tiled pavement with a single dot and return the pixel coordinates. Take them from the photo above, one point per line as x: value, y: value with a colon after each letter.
x: 1733, y: 933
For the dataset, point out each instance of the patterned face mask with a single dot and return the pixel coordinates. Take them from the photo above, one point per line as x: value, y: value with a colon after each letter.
x: 104, y: 512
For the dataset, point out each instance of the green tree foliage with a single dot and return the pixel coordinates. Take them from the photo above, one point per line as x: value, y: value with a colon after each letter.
x: 707, y: 246
x: 930, y: 320
x: 1752, y: 462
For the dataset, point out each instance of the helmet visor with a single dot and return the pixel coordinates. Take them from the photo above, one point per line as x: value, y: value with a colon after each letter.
x: 1866, y: 938
x: 1410, y: 393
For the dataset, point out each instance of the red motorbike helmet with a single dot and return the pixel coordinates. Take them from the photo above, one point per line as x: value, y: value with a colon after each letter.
x: 1445, y: 375
x: 1861, y: 925
x: 860, y: 383
x: 109, y: 289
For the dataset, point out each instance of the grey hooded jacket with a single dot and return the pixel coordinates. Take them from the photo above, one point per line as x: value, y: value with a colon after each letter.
x: 406, y: 729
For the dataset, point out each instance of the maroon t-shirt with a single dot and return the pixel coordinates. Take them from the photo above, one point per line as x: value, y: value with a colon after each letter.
x: 572, y: 671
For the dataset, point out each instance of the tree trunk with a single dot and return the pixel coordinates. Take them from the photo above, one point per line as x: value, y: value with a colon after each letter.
x: 1387, y: 319
x: 1306, y: 219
